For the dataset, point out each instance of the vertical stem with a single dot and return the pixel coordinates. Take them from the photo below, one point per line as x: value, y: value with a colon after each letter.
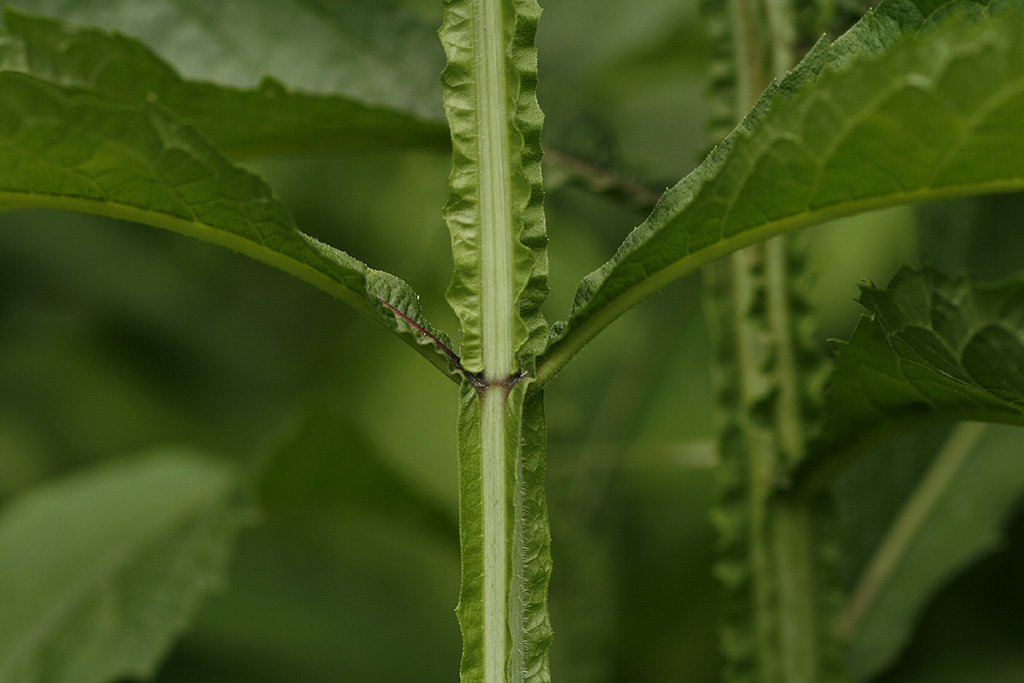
x: 497, y: 234
x: 781, y: 629
x: 495, y: 559
x: 498, y: 323
x: 495, y: 217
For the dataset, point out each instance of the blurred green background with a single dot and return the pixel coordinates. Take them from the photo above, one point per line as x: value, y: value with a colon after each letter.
x: 114, y: 338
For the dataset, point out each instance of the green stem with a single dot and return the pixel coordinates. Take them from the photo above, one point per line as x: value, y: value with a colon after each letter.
x: 495, y: 127
x: 495, y: 546
x: 781, y: 596
x: 759, y: 457
x: 497, y: 234
x: 797, y: 612
x: 498, y: 323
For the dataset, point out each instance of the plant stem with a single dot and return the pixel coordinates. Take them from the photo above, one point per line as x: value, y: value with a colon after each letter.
x: 495, y: 556
x: 497, y: 237
x: 498, y: 297
x: 773, y: 545
x: 497, y: 234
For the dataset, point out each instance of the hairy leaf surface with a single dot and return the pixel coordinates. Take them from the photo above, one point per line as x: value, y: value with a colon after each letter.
x: 950, y: 519
x: 63, y: 148
x: 100, y: 571
x: 269, y: 117
x: 373, y: 52
x: 919, y: 116
x: 933, y: 348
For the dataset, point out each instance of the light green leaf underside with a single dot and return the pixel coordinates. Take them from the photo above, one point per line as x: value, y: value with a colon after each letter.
x: 100, y: 571
x: 67, y: 149
x: 269, y: 118
x: 494, y: 210
x: 373, y: 52
x: 952, y: 518
x: 930, y: 116
x: 933, y: 348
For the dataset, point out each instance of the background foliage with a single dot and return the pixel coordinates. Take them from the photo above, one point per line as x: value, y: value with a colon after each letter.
x: 114, y: 339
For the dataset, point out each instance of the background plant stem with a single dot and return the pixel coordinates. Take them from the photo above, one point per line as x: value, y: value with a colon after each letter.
x: 763, y: 394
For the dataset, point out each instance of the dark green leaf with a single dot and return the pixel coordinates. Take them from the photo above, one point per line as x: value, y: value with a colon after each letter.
x: 933, y: 349
x: 67, y: 149
x: 101, y: 571
x: 266, y: 117
x: 952, y: 517
x: 373, y: 52
x: 829, y: 140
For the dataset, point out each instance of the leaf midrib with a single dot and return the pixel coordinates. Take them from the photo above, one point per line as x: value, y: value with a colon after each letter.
x: 559, y: 353
x: 601, y: 315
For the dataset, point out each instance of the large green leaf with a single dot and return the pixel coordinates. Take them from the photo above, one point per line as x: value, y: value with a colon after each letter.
x: 373, y: 52
x: 886, y: 116
x: 933, y: 348
x: 100, y: 571
x: 268, y: 117
x: 951, y: 517
x: 67, y: 149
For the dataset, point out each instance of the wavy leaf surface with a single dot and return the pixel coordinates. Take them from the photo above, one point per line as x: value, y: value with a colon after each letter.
x: 495, y: 211
x: 918, y: 117
x: 66, y: 149
x: 269, y: 117
x: 933, y: 348
x: 99, y: 572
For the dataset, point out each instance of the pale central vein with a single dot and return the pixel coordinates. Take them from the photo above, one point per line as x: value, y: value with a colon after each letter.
x: 496, y: 229
x: 497, y: 319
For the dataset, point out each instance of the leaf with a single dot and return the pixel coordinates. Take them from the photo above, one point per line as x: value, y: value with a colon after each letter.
x: 933, y: 348
x: 372, y: 52
x: 918, y: 117
x: 495, y: 204
x: 533, y: 547
x: 266, y: 118
x: 949, y: 520
x: 102, y: 570
x: 65, y: 149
